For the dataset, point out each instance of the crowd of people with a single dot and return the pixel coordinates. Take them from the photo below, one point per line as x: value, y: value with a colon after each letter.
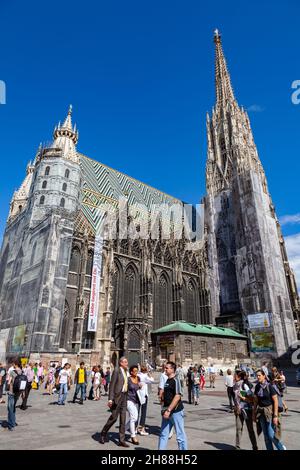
x: 254, y: 396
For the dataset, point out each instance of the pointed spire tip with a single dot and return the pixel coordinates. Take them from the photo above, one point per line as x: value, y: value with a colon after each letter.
x: 217, y: 35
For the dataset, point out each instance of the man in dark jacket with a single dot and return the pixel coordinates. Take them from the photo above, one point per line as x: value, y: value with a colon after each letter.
x: 117, y: 401
x: 80, y: 381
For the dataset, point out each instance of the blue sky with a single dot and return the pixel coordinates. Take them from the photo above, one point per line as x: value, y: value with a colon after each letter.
x: 140, y: 76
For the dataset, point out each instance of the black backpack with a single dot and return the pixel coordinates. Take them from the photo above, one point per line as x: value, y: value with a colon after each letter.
x: 20, y: 383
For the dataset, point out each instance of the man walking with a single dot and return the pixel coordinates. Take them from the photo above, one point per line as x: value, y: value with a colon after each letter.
x: 172, y: 411
x: 212, y: 375
x: 28, y: 371
x: 13, y: 394
x: 64, y: 380
x: 117, y: 402
x: 229, y: 386
x: 81, y: 383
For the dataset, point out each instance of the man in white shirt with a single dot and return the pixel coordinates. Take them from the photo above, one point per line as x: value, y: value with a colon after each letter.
x: 64, y: 379
x: 212, y: 376
x: 229, y: 386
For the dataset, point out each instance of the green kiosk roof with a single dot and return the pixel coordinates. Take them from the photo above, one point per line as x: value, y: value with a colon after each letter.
x: 192, y: 328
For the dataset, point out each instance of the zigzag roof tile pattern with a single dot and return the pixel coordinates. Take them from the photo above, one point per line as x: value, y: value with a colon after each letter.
x: 103, y: 186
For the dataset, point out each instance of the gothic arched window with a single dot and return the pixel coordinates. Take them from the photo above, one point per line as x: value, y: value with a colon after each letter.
x: 117, y: 301
x: 232, y: 284
x: 62, y: 202
x: 44, y: 185
x: 75, y: 260
x: 42, y: 200
x: 67, y: 173
x: 129, y: 290
x: 89, y: 263
x: 64, y: 188
x: 18, y: 263
x: 64, y: 326
x: 163, y: 301
x: 191, y: 302
x: 188, y: 353
x: 47, y: 171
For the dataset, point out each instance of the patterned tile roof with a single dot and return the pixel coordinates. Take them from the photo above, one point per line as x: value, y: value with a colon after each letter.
x: 104, y: 185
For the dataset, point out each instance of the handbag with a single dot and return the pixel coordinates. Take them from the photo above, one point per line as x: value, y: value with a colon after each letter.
x: 141, y: 396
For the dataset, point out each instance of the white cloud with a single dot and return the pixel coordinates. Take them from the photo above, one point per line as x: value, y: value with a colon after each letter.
x: 256, y: 108
x: 292, y: 243
x: 290, y: 219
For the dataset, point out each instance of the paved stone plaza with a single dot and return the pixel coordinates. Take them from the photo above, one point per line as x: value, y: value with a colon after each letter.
x: 210, y: 426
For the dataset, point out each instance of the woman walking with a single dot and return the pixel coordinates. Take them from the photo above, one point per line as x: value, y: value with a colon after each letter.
x: 196, y: 385
x: 201, y: 371
x: 278, y: 379
x: 51, y: 379
x: 266, y: 412
x: 107, y: 377
x: 97, y: 384
x: 145, y: 379
x: 243, y: 400
x: 134, y: 384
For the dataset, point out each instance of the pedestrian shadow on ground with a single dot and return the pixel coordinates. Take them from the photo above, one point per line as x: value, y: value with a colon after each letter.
x: 154, y: 430
x: 111, y: 437
x: 220, y: 445
x: 219, y: 409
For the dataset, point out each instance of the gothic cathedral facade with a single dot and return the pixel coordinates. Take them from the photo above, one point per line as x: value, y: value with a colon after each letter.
x: 237, y: 269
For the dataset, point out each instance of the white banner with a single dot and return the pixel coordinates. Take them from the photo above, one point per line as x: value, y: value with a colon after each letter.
x: 95, y: 286
x: 259, y: 320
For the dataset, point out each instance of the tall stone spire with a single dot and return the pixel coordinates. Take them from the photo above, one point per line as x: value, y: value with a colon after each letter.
x: 224, y: 90
x: 231, y: 147
x: 249, y: 267
x: 66, y: 137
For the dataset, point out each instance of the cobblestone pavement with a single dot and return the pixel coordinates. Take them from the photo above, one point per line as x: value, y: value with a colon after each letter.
x: 210, y: 426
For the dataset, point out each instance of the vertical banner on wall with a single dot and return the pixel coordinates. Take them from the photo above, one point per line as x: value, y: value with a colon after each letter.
x: 95, y: 286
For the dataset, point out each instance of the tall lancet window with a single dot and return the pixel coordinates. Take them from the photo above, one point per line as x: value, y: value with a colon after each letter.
x: 129, y: 291
x: 163, y: 301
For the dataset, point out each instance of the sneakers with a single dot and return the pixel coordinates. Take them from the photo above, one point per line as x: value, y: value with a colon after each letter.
x: 143, y: 433
x: 283, y: 447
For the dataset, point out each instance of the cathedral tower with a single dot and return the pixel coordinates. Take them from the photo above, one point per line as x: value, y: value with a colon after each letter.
x: 244, y: 236
x: 37, y: 245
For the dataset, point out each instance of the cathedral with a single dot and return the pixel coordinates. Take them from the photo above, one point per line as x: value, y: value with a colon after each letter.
x: 79, y: 277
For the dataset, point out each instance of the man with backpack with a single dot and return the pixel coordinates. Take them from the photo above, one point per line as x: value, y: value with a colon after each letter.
x: 28, y: 371
x: 243, y: 400
x: 16, y: 383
